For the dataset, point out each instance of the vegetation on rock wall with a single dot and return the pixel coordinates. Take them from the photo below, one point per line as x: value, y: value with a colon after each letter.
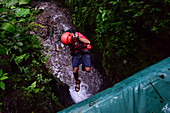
x: 25, y: 83
x: 130, y: 35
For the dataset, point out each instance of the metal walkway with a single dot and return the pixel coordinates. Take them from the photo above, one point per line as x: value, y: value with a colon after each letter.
x: 147, y: 91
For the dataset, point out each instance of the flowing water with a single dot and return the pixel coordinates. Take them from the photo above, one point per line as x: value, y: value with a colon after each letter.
x: 57, y: 20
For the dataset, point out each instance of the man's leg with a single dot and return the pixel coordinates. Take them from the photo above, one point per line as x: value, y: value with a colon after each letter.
x: 86, y: 62
x: 76, y: 63
x: 87, y: 69
x: 75, y: 72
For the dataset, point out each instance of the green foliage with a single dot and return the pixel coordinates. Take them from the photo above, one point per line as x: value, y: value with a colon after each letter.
x: 9, y: 3
x: 0, y: 108
x: 12, y: 3
x: 8, y: 27
x: 2, y: 78
x: 2, y: 49
x: 23, y: 2
x: 21, y: 12
x: 20, y: 52
x: 121, y: 28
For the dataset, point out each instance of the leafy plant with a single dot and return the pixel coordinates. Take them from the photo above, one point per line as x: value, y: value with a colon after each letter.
x: 0, y: 108
x: 2, y: 78
x: 119, y: 29
x: 21, y: 53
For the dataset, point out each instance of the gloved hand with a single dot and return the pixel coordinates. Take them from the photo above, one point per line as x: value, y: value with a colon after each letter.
x: 88, y: 46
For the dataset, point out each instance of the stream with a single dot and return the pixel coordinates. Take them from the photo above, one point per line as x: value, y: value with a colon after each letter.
x: 57, y: 20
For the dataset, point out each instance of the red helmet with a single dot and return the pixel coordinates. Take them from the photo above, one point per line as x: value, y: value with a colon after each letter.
x: 66, y: 38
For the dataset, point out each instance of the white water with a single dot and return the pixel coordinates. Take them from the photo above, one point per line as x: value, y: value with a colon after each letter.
x: 82, y: 94
x: 65, y: 27
x: 41, y: 6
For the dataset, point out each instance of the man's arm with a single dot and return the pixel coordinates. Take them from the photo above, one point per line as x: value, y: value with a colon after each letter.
x: 82, y: 38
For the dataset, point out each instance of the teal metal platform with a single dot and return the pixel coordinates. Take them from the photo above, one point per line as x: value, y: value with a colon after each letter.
x: 147, y: 91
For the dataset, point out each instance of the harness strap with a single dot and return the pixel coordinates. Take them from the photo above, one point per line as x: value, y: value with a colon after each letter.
x: 79, y: 53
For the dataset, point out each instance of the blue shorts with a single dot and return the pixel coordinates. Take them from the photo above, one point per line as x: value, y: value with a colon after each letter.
x: 83, y: 59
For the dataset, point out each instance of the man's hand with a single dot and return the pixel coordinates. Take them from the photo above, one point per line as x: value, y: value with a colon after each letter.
x: 75, y: 37
x: 88, y: 46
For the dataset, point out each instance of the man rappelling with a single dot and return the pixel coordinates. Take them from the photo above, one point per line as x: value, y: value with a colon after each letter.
x: 79, y: 46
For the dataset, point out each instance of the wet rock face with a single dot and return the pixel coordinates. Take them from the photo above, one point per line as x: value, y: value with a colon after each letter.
x: 56, y: 21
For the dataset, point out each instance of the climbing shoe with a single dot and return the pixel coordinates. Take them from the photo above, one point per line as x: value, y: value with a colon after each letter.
x: 77, y: 87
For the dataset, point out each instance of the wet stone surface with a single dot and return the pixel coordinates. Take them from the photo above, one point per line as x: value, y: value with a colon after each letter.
x: 56, y: 20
